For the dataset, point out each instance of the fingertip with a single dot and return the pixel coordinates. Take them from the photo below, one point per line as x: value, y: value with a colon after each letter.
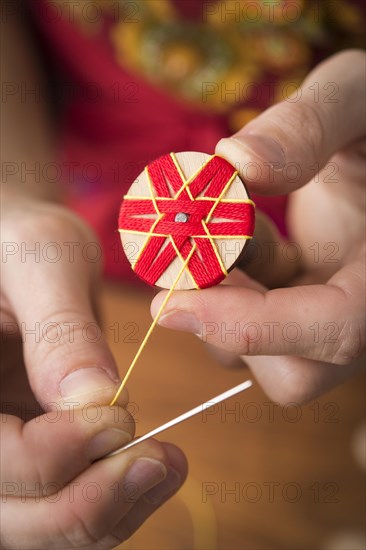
x: 234, y: 151
x: 156, y: 303
x: 177, y: 459
x: 151, y: 500
x: 252, y: 145
x: 258, y: 158
x: 124, y: 398
x: 177, y: 470
x: 87, y: 385
x: 107, y: 441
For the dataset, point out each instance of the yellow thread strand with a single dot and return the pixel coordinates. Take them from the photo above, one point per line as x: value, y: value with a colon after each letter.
x: 214, y: 248
x: 219, y: 198
x: 159, y: 214
x: 153, y: 198
x: 185, y: 186
x: 195, y: 174
x: 152, y: 326
x: 226, y: 201
x: 197, y: 199
x: 147, y: 240
x: 177, y: 251
x: 192, y: 236
x: 185, y: 181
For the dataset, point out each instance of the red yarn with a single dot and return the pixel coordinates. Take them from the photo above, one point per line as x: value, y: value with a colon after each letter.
x: 211, y: 179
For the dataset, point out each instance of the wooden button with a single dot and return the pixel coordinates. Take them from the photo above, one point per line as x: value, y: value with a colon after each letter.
x: 180, y: 201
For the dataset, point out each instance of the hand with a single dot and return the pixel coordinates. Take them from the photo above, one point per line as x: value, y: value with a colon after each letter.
x: 54, y: 494
x: 303, y: 340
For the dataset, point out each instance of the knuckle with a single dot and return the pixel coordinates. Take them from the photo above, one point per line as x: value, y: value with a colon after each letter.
x: 42, y: 222
x: 61, y: 333
x: 50, y: 223
x: 314, y: 123
x: 125, y: 420
x: 350, y: 344
x: 253, y: 340
x: 248, y: 345
x: 296, y: 387
x: 152, y: 449
x: 76, y: 532
x: 113, y: 540
x: 307, y: 117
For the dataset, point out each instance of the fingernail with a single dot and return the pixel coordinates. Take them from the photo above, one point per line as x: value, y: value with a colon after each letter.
x: 107, y: 441
x: 181, y: 320
x: 165, y: 488
x: 144, y: 474
x: 86, y: 382
x: 264, y: 147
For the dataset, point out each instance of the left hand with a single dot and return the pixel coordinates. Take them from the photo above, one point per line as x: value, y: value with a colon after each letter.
x: 51, y: 362
x: 302, y: 340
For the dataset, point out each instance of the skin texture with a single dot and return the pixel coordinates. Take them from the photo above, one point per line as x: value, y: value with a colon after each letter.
x: 56, y: 493
x: 54, y: 456
x: 324, y: 303
x: 50, y: 465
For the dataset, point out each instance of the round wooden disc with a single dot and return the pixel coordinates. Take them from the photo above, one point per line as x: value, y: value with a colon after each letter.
x: 141, y: 221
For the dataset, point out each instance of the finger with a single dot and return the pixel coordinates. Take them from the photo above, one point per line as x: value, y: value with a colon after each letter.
x: 237, y: 278
x: 84, y: 513
x: 156, y: 497
x: 229, y: 359
x: 65, y: 352
x: 284, y: 147
x: 58, y: 446
x: 288, y: 379
x: 263, y: 258
x: 226, y: 359
x: 296, y: 380
x: 321, y: 322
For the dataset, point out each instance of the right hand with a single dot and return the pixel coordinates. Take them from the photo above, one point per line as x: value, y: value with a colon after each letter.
x: 54, y: 494
x: 308, y: 337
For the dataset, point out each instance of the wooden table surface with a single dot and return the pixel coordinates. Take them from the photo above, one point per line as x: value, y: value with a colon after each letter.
x: 261, y: 476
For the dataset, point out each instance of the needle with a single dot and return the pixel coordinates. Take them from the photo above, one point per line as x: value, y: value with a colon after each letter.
x: 185, y: 416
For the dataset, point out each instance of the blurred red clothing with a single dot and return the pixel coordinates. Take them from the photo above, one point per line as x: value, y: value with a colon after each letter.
x: 115, y: 122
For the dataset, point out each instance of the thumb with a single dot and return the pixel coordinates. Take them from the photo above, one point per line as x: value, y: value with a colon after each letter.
x: 284, y: 147
x: 65, y: 353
